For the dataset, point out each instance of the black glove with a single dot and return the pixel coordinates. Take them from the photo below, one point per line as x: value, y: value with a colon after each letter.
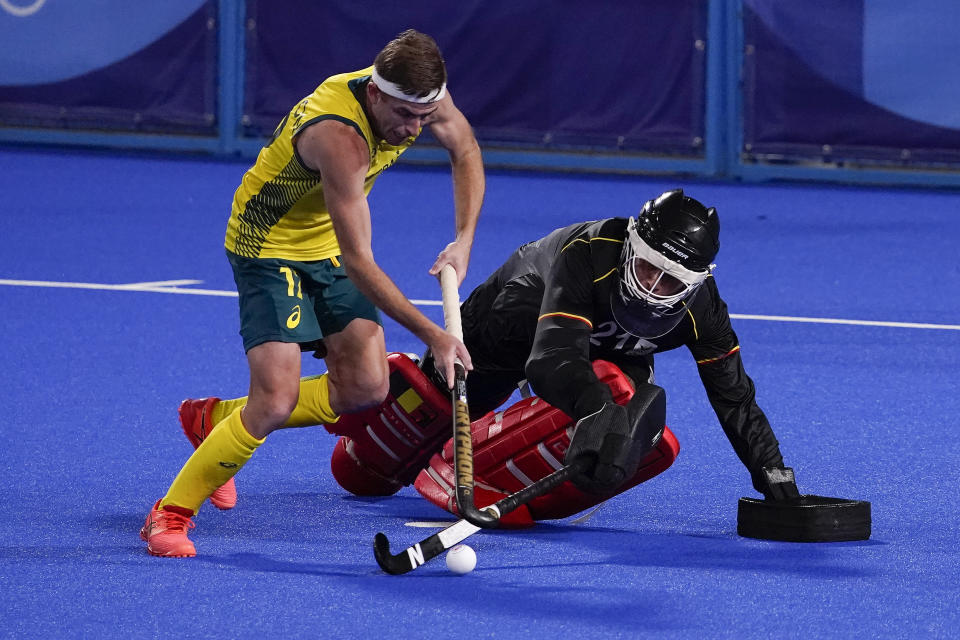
x: 778, y: 484
x: 617, y: 438
x: 602, y: 436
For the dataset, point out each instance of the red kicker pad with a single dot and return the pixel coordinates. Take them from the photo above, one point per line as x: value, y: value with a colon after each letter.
x: 382, y: 449
x: 514, y: 448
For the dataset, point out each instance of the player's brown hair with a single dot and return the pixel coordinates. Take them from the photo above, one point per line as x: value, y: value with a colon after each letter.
x: 412, y: 61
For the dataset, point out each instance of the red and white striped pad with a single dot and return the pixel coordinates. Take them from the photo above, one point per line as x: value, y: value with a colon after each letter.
x: 382, y: 449
x: 518, y: 446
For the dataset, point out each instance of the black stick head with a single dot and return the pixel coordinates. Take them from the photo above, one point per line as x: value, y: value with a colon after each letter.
x: 394, y: 565
x: 483, y: 518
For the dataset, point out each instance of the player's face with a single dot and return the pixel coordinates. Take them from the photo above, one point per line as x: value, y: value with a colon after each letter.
x: 654, y: 280
x: 398, y: 120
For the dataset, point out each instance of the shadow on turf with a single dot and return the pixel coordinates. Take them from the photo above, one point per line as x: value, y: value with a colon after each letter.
x: 277, y: 515
x: 318, y: 519
x: 259, y: 562
x: 717, y: 552
x: 321, y: 518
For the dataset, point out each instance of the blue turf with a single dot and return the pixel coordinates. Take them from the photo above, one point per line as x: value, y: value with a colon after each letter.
x: 92, y: 380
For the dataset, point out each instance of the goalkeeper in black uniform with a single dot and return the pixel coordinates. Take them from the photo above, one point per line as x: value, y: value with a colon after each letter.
x: 616, y: 290
x: 619, y: 290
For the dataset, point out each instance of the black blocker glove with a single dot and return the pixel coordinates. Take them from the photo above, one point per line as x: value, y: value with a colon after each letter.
x: 617, y: 438
x: 778, y: 484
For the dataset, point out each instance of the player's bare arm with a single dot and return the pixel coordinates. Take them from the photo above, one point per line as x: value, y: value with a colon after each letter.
x: 452, y: 130
x: 341, y: 156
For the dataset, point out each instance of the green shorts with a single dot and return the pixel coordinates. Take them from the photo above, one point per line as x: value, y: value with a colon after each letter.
x: 289, y: 301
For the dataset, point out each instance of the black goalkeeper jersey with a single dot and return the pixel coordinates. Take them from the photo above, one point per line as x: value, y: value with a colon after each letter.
x: 545, y: 314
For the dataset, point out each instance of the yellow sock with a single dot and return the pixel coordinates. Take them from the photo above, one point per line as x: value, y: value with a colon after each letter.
x: 216, y: 460
x: 224, y: 408
x: 312, y: 408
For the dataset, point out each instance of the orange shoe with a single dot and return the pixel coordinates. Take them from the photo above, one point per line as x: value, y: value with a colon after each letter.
x: 195, y: 421
x: 165, y: 533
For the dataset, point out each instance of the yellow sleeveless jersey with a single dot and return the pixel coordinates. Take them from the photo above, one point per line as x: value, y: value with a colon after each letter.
x: 279, y: 210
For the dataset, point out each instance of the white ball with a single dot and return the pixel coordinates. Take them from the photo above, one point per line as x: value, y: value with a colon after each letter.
x: 461, y: 559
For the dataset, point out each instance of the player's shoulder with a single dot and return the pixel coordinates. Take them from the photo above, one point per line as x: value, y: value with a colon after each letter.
x: 611, y: 229
x: 710, y: 284
x: 707, y: 297
x: 709, y: 310
x: 591, y: 235
x: 348, y: 81
x: 336, y: 103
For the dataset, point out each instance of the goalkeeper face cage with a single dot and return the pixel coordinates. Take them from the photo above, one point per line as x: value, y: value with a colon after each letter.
x: 649, y: 299
x: 667, y: 255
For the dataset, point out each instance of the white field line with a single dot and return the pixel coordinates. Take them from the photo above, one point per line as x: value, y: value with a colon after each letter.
x: 163, y: 286
x: 169, y: 286
x: 430, y: 524
x: 147, y: 286
x: 164, y: 283
x: 862, y: 323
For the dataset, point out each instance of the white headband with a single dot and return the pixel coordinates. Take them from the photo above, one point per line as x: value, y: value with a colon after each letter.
x: 392, y: 89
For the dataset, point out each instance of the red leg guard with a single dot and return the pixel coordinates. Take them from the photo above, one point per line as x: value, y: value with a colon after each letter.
x: 528, y: 441
x: 356, y: 477
x: 383, y: 449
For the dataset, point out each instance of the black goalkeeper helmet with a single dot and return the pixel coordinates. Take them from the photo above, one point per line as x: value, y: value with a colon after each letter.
x: 667, y: 255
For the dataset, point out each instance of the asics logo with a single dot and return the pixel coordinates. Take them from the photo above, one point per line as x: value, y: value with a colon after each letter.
x: 294, y: 318
x: 228, y: 465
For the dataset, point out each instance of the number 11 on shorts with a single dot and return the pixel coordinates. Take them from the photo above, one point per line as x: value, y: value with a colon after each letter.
x: 294, y: 318
x: 292, y: 281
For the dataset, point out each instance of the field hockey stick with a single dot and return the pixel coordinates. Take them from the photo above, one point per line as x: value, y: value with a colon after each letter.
x: 429, y: 548
x: 462, y: 438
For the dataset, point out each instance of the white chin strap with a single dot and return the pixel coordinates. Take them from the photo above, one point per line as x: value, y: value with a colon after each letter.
x: 637, y: 248
x: 394, y: 91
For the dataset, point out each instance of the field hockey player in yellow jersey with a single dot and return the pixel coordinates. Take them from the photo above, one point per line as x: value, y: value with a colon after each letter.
x: 299, y: 242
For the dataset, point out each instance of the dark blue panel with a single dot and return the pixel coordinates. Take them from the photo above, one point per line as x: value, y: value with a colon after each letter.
x: 826, y: 34
x: 168, y: 86
x: 794, y: 108
x: 540, y: 72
